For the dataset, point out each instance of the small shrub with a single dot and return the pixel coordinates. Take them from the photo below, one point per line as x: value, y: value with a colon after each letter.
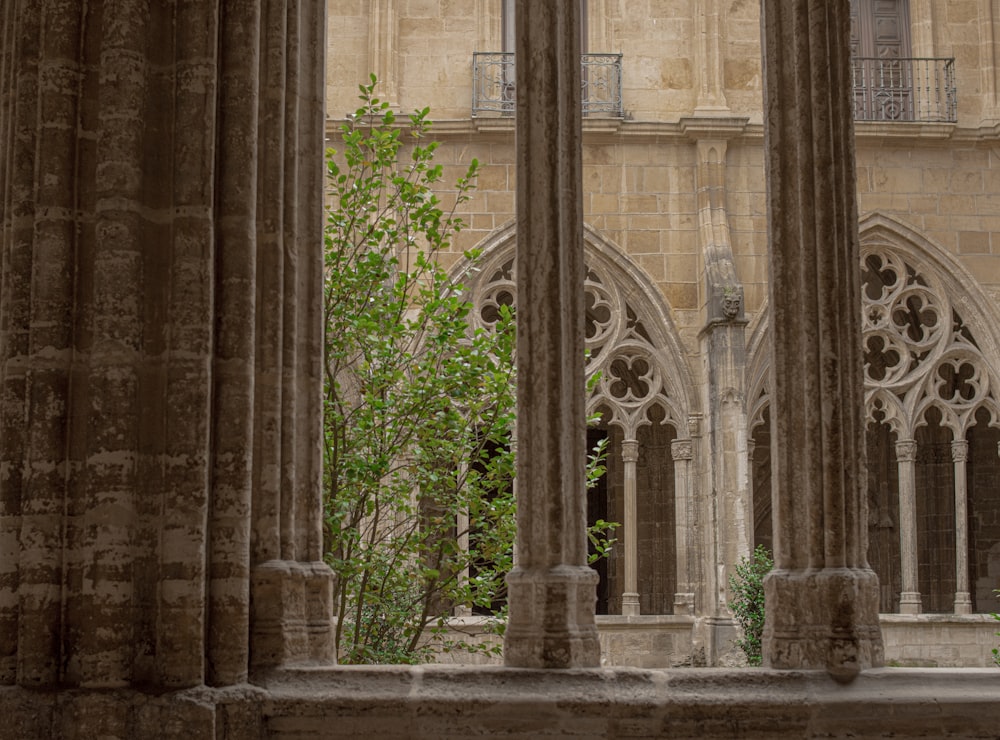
x: 747, y: 584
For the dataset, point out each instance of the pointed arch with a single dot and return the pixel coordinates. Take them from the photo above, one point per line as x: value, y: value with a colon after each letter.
x: 643, y: 387
x: 931, y: 335
x: 932, y: 385
x: 882, y: 233
x: 629, y: 323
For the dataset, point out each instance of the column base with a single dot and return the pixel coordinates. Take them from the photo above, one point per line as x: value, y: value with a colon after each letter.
x: 630, y: 605
x: 551, y: 620
x: 963, y: 603
x: 909, y: 602
x: 292, y: 613
x: 823, y: 620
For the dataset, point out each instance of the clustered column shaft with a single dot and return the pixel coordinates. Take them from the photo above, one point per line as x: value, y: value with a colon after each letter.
x: 551, y: 589
x: 161, y: 342
x: 822, y: 598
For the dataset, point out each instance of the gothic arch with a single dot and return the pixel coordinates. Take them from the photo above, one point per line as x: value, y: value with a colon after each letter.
x: 933, y: 313
x: 643, y: 389
x: 628, y: 322
x: 881, y: 233
x: 932, y: 401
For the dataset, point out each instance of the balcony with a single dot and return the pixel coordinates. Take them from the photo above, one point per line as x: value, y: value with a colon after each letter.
x: 493, y: 84
x: 921, y: 90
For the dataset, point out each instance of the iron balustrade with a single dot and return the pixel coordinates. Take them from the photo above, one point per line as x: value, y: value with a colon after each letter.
x: 906, y: 89
x: 493, y: 83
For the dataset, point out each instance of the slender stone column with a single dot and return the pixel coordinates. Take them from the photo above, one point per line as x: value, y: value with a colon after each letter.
x: 959, y: 456
x: 906, y: 456
x: 822, y: 597
x: 462, y: 525
x: 680, y: 449
x: 630, y: 597
x: 552, y: 591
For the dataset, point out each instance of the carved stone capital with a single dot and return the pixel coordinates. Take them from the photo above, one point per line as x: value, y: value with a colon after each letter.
x: 959, y: 450
x: 681, y: 449
x: 906, y: 450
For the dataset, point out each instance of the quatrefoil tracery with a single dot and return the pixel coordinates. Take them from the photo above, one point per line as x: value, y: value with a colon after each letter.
x: 632, y: 385
x: 918, y: 353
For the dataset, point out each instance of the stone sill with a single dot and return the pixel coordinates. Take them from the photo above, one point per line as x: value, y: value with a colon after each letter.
x: 935, y: 618
x: 457, y: 701
x: 618, y: 622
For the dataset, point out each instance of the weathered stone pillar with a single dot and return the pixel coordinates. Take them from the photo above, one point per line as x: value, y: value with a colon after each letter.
x: 630, y: 596
x: 551, y: 589
x: 681, y: 451
x: 906, y: 457
x: 959, y: 457
x: 822, y: 597
x: 160, y: 342
x: 723, y: 345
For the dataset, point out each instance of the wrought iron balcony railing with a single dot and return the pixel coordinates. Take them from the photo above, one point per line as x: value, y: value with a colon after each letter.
x: 904, y: 89
x: 493, y: 83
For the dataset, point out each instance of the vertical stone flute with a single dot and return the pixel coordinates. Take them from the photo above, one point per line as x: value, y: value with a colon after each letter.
x: 822, y: 598
x: 552, y: 590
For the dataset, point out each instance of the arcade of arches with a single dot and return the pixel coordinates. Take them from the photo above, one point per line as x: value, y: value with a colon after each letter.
x: 932, y: 436
x: 160, y: 563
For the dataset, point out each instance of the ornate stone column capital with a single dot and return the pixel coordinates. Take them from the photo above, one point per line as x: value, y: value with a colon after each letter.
x: 906, y: 451
x: 680, y: 449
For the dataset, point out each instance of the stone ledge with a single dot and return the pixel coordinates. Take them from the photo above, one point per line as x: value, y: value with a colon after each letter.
x: 458, y: 702
x: 450, y: 702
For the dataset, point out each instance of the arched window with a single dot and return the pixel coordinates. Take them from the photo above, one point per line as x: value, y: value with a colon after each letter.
x: 931, y: 400
x: 639, y: 387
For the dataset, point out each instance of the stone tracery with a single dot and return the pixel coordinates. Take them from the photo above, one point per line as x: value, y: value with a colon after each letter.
x: 918, y: 351
x: 929, y: 389
x: 637, y: 384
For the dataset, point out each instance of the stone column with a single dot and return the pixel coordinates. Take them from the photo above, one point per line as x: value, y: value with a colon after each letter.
x: 681, y: 451
x: 630, y: 596
x: 552, y: 592
x: 462, y: 526
x: 160, y: 342
x: 822, y: 597
x: 909, y: 597
x: 959, y: 457
x: 723, y: 344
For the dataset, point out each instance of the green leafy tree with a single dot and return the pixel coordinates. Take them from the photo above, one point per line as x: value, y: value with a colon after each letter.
x: 418, y: 408
x: 747, y: 585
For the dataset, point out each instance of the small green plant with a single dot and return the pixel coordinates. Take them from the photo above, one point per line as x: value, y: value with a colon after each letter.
x: 747, y: 584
